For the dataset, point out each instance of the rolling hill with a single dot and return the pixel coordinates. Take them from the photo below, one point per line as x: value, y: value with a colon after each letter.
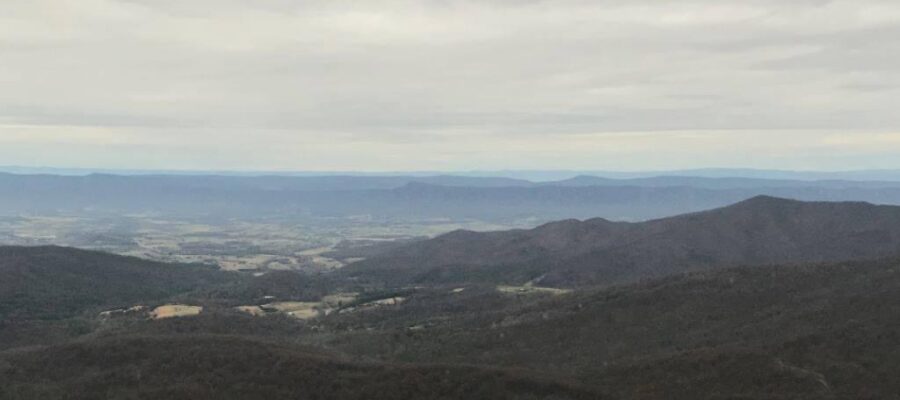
x: 570, y: 253
x: 805, y: 331
x: 810, y: 331
x: 51, y: 282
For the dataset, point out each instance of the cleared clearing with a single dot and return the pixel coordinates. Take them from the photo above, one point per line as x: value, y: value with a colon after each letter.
x: 296, y: 309
x: 175, y: 310
x: 302, y: 309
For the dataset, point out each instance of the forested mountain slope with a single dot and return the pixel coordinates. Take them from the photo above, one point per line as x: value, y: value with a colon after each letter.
x: 51, y: 282
x: 762, y: 230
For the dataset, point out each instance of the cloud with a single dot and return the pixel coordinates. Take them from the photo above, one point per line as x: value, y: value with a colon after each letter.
x: 468, y: 82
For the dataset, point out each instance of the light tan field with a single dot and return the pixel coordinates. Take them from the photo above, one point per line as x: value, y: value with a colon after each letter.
x: 175, y: 310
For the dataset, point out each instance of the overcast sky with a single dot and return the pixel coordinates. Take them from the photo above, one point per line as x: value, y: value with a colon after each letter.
x: 450, y: 85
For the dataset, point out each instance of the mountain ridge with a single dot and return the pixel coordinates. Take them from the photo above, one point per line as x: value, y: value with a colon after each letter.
x: 759, y: 230
x: 393, y: 197
x: 49, y: 282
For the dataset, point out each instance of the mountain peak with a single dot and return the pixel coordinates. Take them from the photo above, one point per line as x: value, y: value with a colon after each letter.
x: 764, y: 202
x: 760, y: 230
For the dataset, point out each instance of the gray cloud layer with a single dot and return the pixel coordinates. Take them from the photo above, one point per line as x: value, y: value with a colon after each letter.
x: 450, y: 84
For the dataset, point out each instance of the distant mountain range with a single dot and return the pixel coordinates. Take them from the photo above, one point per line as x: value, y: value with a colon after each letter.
x: 571, y: 253
x: 530, y: 175
x: 458, y: 197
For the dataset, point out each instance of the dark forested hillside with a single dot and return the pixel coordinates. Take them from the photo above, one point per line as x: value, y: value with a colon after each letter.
x: 762, y: 230
x: 805, y: 331
x: 55, y: 282
x: 215, y: 367
x: 787, y: 332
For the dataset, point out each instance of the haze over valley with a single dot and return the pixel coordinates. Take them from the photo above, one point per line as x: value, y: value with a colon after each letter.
x: 293, y: 222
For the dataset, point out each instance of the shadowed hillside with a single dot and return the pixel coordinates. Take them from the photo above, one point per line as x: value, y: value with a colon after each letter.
x: 777, y: 332
x: 785, y: 332
x: 55, y: 282
x: 209, y: 367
